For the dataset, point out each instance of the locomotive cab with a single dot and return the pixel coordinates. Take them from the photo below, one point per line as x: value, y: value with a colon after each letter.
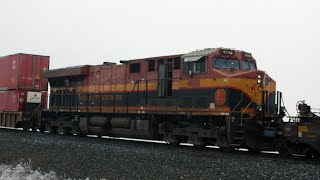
x: 237, y: 91
x: 232, y: 73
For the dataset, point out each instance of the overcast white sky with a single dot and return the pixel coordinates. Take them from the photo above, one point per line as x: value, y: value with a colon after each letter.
x: 283, y: 36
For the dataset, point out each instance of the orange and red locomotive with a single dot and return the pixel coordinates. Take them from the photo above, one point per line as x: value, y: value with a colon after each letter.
x: 212, y: 96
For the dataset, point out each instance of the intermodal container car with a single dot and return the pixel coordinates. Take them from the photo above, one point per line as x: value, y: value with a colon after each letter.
x: 23, y: 72
x: 16, y: 100
x: 18, y: 108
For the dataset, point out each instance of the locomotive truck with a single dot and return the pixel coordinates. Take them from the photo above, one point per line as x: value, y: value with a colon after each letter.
x: 215, y: 96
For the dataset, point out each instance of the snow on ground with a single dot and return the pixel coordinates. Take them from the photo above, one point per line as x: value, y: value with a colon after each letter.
x: 23, y: 171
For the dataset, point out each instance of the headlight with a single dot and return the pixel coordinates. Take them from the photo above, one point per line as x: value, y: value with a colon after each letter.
x: 259, y: 81
x: 259, y: 78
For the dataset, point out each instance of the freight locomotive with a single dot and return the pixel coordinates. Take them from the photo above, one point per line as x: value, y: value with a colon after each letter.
x: 215, y: 96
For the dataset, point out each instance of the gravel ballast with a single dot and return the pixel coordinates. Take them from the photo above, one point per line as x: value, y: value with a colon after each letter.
x: 78, y: 157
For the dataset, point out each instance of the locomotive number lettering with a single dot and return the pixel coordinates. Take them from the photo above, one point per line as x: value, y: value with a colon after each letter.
x: 111, y: 97
x: 118, y: 97
x: 194, y: 82
x: 83, y: 98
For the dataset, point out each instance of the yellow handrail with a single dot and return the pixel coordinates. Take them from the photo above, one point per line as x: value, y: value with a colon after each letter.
x: 237, y: 104
x: 241, y: 123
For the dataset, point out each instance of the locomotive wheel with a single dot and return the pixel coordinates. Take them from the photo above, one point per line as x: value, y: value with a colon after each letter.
x: 53, y: 130
x: 201, y: 146
x: 25, y: 128
x: 227, y: 149
x: 34, y: 129
x: 253, y: 150
x: 309, y: 154
x: 283, y: 150
x: 316, y: 155
x: 175, y: 141
x: 42, y: 128
x: 81, y: 135
x: 67, y: 131
x: 312, y: 154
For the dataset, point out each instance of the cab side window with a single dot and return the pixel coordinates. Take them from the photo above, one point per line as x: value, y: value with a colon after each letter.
x: 199, y: 66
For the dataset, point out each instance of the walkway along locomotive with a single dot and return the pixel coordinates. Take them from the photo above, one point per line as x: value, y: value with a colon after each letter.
x: 208, y: 97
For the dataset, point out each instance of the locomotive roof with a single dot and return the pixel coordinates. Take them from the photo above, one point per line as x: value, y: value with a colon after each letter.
x: 196, y: 55
x: 201, y: 53
x: 204, y: 52
x: 69, y: 67
x: 67, y: 71
x: 156, y: 57
x: 191, y: 56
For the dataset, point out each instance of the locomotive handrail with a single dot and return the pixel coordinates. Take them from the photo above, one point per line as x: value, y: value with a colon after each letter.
x: 237, y: 104
x: 156, y: 79
x: 241, y: 123
x: 137, y: 84
x: 134, y: 86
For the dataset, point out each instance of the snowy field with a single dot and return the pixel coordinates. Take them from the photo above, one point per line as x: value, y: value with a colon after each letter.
x: 24, y: 171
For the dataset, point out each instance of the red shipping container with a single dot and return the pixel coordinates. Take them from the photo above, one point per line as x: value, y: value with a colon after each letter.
x: 15, y: 100
x: 23, y: 71
x: 9, y: 100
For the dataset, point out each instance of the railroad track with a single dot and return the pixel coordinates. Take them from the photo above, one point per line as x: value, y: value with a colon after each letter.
x: 209, y: 151
x: 240, y: 154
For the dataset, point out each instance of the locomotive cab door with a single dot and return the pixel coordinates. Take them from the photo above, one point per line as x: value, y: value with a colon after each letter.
x: 165, y: 80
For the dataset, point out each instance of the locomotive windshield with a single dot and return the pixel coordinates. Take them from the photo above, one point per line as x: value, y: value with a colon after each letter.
x: 226, y: 63
x: 248, y: 65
